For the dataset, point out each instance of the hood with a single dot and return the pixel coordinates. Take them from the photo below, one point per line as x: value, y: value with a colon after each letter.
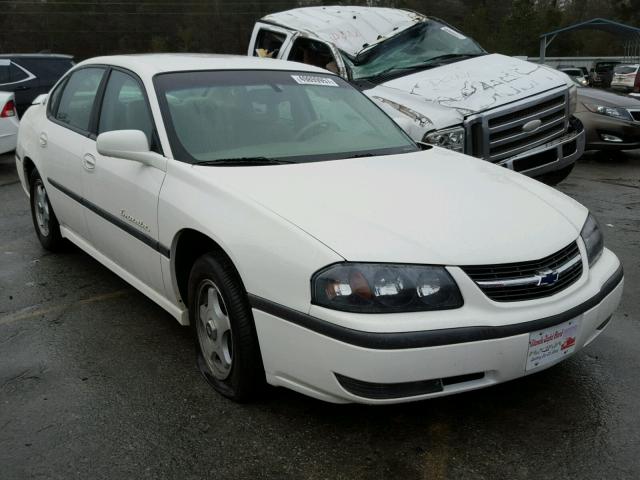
x: 478, y: 84
x: 609, y: 99
x: 415, y: 115
x: 430, y: 207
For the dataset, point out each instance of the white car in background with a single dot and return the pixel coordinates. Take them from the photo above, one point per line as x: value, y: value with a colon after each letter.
x: 8, y: 122
x: 305, y: 237
x: 626, y: 78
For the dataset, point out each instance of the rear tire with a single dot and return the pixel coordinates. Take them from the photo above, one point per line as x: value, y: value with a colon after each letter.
x: 554, y: 178
x: 44, y: 218
x: 226, y: 340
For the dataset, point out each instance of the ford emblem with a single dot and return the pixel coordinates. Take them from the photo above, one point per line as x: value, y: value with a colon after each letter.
x: 532, y: 126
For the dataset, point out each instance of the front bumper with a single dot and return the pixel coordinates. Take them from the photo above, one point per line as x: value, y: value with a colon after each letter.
x: 552, y: 156
x: 597, y: 125
x: 340, y: 364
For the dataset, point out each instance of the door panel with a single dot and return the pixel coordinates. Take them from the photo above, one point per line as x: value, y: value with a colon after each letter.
x: 123, y: 195
x: 63, y: 140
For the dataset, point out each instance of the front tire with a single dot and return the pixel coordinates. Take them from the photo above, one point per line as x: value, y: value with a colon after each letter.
x: 45, y: 221
x: 228, y: 351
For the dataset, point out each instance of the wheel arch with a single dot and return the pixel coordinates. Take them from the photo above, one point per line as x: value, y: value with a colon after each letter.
x: 189, y: 245
x: 28, y: 166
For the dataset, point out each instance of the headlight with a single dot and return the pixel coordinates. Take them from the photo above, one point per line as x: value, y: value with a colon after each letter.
x: 384, y: 288
x: 593, y: 239
x: 451, y: 138
x: 573, y: 99
x: 619, y: 113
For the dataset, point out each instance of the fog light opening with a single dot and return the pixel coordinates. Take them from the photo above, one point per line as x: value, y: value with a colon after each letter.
x: 611, y: 138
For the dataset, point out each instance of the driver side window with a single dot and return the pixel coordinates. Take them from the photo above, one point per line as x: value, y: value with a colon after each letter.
x: 313, y: 52
x: 124, y: 107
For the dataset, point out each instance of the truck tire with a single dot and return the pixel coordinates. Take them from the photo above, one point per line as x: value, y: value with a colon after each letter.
x: 554, y: 178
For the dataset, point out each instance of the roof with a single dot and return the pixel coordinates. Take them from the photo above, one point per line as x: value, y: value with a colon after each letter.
x: 350, y: 29
x: 153, y: 63
x: 36, y: 55
x: 601, y: 24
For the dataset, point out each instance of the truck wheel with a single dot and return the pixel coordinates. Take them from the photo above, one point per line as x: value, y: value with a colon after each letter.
x: 227, y: 344
x: 554, y: 178
x: 45, y: 221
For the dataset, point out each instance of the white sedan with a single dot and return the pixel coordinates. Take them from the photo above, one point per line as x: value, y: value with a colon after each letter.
x: 309, y: 242
x: 8, y: 122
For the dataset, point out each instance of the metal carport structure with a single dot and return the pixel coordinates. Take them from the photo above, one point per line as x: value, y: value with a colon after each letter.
x: 629, y: 35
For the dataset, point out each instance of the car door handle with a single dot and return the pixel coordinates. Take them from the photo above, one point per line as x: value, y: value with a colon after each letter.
x: 43, y: 139
x: 89, y: 162
x: 21, y: 88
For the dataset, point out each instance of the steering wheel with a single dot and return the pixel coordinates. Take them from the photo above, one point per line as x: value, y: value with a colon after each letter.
x: 314, y: 128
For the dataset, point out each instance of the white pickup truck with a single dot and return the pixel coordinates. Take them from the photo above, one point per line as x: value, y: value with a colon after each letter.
x: 437, y: 83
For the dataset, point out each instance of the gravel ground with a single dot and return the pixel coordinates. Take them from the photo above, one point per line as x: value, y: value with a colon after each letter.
x: 98, y: 382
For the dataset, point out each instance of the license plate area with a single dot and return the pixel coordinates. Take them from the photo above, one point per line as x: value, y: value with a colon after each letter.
x: 551, y: 344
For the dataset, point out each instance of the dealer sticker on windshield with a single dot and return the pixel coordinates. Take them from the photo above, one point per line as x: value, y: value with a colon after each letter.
x: 314, y: 80
x: 551, y: 344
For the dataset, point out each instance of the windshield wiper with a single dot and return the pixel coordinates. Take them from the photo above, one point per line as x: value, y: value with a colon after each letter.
x: 441, y: 59
x: 243, y: 162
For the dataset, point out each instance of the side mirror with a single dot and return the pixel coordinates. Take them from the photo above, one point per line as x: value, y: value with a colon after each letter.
x: 129, y: 145
x: 40, y: 99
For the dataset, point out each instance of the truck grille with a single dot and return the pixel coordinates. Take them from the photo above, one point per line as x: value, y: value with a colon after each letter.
x: 515, y: 282
x: 503, y: 133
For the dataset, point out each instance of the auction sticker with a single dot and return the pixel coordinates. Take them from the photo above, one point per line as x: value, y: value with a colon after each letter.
x: 314, y: 80
x: 551, y: 344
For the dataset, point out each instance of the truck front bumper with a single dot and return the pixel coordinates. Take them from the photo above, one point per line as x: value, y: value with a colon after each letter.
x: 555, y: 155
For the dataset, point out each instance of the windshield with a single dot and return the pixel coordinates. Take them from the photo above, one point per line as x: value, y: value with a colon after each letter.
x: 624, y: 69
x: 421, y: 44
x: 272, y: 115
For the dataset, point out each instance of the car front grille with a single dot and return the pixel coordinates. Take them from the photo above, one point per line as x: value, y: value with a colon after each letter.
x: 635, y: 114
x: 515, y: 282
x: 504, y: 132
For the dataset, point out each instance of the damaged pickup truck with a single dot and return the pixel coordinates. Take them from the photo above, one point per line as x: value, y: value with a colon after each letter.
x: 438, y: 84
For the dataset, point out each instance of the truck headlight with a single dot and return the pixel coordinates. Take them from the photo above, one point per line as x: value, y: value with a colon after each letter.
x: 384, y: 288
x: 451, y: 138
x: 619, y: 113
x: 573, y: 99
x: 593, y: 239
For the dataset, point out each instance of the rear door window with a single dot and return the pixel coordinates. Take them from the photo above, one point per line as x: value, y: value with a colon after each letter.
x: 268, y: 43
x: 48, y: 70
x: 11, y: 73
x: 78, y: 97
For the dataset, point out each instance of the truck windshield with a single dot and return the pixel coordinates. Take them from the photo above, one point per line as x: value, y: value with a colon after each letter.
x: 269, y: 117
x: 427, y: 44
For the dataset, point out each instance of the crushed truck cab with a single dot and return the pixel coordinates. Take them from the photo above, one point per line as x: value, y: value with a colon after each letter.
x: 438, y: 84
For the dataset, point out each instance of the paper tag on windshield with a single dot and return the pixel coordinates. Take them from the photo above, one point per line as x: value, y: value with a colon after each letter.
x: 313, y: 80
x: 452, y: 32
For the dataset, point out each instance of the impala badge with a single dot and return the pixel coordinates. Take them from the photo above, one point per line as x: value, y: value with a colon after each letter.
x: 532, y: 126
x: 135, y: 221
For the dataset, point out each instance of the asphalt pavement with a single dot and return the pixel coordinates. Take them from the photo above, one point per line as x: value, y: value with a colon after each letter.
x: 96, y: 381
